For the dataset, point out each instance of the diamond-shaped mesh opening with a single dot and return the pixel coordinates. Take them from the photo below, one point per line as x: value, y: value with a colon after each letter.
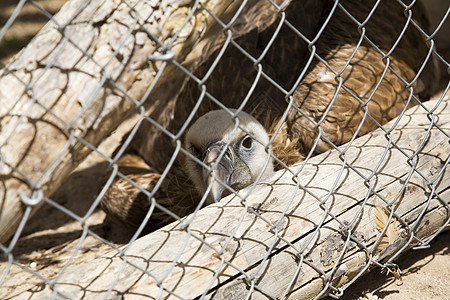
x: 216, y: 149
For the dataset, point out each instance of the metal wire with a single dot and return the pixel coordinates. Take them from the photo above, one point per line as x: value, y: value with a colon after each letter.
x: 111, y: 82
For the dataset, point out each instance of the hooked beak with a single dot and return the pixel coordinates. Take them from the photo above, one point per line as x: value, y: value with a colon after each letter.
x: 221, y: 170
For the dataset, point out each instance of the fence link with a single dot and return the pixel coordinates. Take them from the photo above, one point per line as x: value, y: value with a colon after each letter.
x: 342, y: 167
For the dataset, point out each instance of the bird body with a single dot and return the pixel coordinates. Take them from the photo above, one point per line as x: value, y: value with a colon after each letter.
x: 356, y: 86
x: 366, y: 70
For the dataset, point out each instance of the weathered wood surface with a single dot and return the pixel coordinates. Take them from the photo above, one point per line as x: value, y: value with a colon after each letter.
x: 294, y: 230
x: 78, y: 79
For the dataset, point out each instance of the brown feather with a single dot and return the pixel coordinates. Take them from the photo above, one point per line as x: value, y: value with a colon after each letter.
x: 284, y: 148
x: 234, y: 76
x: 127, y: 205
x: 393, y: 231
x: 336, y: 45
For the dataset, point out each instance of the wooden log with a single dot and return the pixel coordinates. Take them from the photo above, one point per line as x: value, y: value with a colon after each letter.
x: 81, y: 76
x: 320, y: 223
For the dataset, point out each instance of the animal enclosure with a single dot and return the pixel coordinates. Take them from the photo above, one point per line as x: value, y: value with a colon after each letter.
x: 353, y: 96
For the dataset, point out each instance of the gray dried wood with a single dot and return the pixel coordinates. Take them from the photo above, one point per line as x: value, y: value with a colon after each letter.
x: 292, y: 245
x: 80, y: 77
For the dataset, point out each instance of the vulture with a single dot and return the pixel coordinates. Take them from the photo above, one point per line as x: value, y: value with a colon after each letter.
x: 226, y: 148
x: 330, y: 73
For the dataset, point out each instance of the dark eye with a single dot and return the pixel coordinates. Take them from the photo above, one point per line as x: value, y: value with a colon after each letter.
x: 247, y: 143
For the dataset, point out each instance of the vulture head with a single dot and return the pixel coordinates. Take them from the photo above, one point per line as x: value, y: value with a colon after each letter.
x: 228, y: 149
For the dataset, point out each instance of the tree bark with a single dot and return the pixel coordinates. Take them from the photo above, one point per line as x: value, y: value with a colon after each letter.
x: 81, y: 76
x: 294, y: 234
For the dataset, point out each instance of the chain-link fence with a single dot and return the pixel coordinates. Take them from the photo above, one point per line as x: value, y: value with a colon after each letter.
x: 342, y: 168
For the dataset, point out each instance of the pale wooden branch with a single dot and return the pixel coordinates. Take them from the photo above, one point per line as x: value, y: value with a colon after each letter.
x: 278, y: 251
x: 77, y: 79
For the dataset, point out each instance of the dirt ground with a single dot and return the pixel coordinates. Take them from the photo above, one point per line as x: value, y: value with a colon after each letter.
x: 50, y: 236
x: 29, y: 21
x: 425, y: 276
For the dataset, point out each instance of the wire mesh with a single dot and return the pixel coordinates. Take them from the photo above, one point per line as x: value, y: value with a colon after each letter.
x: 360, y: 156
